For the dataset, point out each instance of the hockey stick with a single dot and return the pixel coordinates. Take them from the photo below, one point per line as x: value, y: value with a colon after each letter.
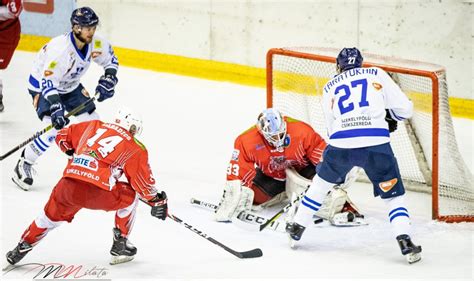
x: 247, y: 217
x: 277, y: 215
x: 255, y: 253
x: 39, y: 133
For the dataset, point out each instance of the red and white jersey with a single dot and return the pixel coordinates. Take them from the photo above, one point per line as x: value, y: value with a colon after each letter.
x: 302, y: 146
x: 103, y: 152
x: 9, y: 12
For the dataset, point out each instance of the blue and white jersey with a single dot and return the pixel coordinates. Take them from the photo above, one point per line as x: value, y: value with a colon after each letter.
x: 60, y: 65
x: 354, y: 104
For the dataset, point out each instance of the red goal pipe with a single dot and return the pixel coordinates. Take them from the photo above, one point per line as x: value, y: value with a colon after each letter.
x: 435, y: 114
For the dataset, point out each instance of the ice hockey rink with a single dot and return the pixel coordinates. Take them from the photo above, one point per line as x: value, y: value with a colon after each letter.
x: 189, y: 128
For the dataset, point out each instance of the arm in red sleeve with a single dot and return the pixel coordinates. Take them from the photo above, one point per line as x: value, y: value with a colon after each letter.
x: 315, y: 146
x: 140, y: 176
x: 241, y: 166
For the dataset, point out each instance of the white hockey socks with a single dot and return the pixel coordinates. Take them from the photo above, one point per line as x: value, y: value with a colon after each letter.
x: 39, y: 145
x: 398, y: 215
x: 312, y: 201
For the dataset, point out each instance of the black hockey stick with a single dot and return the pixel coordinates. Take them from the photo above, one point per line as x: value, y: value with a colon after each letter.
x: 39, y: 133
x: 255, y: 253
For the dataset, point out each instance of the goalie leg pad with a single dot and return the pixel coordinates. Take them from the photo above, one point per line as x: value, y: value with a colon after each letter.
x: 332, y: 204
x: 295, y: 183
x: 236, y: 198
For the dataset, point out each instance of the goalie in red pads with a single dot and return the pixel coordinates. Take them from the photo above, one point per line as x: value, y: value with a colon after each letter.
x: 100, y: 154
x: 273, y: 160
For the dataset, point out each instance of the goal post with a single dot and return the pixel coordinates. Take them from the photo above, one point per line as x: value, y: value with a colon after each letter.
x: 425, y: 147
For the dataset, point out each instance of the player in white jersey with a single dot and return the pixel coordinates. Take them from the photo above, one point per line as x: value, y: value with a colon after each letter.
x: 55, y: 86
x: 361, y: 106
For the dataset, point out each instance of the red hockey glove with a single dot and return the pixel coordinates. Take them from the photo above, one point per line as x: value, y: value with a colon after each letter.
x: 61, y: 140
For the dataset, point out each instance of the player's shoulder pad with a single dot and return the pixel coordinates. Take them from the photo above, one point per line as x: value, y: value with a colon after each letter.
x: 140, y: 144
x: 99, y: 43
x: 253, y: 128
x: 300, y: 125
x: 57, y: 45
x: 291, y: 120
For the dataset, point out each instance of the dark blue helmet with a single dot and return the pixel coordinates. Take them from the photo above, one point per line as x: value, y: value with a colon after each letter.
x: 349, y: 58
x: 84, y: 16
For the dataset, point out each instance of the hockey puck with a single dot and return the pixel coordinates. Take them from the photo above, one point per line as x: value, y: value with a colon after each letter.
x: 319, y: 220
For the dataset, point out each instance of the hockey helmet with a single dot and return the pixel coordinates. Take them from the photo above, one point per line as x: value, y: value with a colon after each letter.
x: 129, y: 120
x: 348, y: 58
x: 84, y: 16
x: 272, y: 126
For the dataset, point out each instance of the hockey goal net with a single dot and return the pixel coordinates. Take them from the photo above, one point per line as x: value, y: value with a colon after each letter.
x: 425, y: 146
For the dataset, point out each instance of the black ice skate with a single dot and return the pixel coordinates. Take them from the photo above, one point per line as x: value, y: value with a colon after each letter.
x: 295, y: 231
x: 122, y: 250
x: 20, y: 251
x: 23, y: 173
x: 409, y: 250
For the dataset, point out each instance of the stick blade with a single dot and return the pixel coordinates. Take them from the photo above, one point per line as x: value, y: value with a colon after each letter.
x: 255, y: 253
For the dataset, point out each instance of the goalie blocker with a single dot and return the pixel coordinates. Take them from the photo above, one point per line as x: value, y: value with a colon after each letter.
x: 337, y: 208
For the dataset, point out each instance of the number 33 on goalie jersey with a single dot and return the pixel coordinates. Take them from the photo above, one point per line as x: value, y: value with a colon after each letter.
x: 103, y: 152
x: 302, y: 146
x: 354, y: 104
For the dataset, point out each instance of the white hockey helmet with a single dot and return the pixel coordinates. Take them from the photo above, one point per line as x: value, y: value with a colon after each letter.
x: 272, y: 126
x: 129, y: 120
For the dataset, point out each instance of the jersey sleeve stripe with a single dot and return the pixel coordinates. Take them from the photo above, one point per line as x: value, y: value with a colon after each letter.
x: 395, y: 116
x: 369, y: 132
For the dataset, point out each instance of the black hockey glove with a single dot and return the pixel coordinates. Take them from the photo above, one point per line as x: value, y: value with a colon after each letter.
x: 106, y: 86
x: 159, y: 206
x: 392, y: 123
x: 58, y: 119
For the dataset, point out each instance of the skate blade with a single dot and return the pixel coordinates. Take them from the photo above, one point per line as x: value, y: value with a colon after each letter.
x: 20, y: 184
x: 7, y: 266
x: 413, y: 257
x: 292, y: 243
x: 120, y: 259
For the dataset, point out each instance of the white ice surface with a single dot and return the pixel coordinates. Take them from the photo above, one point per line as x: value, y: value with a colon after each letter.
x: 189, y: 128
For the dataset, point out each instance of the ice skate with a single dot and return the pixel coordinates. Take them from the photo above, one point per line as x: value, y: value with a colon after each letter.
x: 295, y: 231
x: 23, y: 173
x: 18, y: 253
x: 122, y: 250
x: 409, y: 250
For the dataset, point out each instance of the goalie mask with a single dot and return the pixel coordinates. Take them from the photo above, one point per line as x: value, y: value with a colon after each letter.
x: 272, y: 126
x: 127, y: 119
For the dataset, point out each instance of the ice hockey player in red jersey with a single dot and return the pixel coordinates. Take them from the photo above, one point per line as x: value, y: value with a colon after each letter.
x: 272, y: 160
x: 100, y: 153
x: 10, y: 30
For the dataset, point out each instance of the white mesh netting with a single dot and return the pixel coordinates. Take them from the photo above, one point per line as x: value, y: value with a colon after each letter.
x: 296, y: 90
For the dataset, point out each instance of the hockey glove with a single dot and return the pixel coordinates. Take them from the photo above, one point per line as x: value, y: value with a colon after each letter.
x: 64, y: 145
x: 159, y: 206
x: 14, y: 7
x: 106, y: 86
x: 58, y: 119
x: 392, y: 123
